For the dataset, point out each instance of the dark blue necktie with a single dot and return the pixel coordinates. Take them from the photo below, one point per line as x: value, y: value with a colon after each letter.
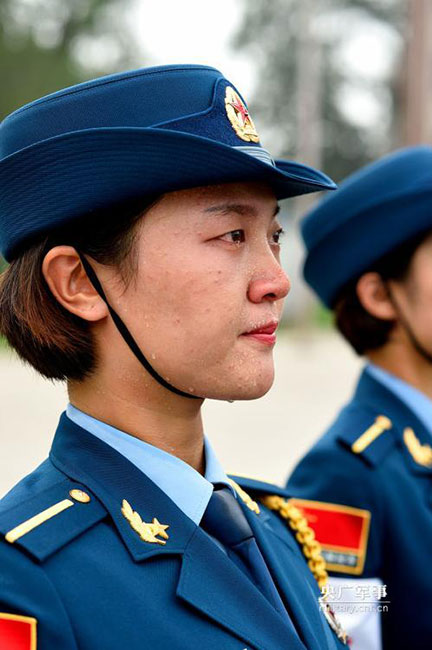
x: 225, y: 521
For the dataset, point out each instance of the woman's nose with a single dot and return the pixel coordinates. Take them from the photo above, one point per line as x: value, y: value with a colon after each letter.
x: 269, y: 286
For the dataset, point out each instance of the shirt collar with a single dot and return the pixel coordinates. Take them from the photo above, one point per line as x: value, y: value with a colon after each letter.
x: 189, y: 490
x: 417, y: 401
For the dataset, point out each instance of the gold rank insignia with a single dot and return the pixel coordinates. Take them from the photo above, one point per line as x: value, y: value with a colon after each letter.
x: 147, y: 532
x: 30, y: 524
x: 239, y: 117
x: 244, y: 496
x: 381, y: 424
x: 422, y: 454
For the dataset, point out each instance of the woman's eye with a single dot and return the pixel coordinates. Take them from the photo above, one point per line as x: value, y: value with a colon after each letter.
x: 277, y: 236
x: 234, y: 236
x: 238, y: 236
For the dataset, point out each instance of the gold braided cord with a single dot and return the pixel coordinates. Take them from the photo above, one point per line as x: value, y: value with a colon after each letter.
x: 304, y: 534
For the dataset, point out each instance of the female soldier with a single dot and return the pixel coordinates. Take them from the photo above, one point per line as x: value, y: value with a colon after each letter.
x: 371, y: 472
x: 147, y: 296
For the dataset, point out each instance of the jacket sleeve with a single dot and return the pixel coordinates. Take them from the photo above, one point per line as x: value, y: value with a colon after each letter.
x: 333, y: 475
x: 26, y: 593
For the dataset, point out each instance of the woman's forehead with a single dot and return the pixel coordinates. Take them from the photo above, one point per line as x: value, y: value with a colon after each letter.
x: 229, y: 194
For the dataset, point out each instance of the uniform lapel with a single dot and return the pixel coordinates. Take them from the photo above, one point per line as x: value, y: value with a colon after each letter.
x: 295, y: 591
x: 209, y: 581
x: 214, y: 585
x: 113, y: 479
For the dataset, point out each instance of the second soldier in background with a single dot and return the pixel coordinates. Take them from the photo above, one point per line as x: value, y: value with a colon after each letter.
x: 368, y: 480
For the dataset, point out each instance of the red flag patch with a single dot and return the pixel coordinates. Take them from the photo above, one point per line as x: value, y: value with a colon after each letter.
x: 17, y: 632
x: 342, y: 532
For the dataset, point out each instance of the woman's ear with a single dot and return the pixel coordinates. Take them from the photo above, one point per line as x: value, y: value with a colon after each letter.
x: 374, y: 296
x: 69, y: 284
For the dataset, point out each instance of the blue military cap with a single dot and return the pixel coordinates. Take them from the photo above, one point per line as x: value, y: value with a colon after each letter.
x: 374, y: 211
x: 126, y: 136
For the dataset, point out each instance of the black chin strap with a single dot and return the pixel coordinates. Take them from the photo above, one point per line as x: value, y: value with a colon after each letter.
x: 127, y: 336
x: 427, y: 356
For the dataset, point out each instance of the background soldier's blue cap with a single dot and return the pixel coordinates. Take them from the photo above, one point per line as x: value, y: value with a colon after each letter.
x: 126, y: 136
x: 374, y: 211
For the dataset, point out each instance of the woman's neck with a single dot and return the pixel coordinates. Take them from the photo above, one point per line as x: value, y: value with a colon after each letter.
x: 406, y: 363
x: 148, y: 412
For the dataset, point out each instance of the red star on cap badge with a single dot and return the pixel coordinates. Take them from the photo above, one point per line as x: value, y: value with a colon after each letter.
x: 239, y: 116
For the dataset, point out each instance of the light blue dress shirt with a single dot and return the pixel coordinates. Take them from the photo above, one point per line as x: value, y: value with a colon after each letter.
x: 417, y: 401
x: 189, y: 490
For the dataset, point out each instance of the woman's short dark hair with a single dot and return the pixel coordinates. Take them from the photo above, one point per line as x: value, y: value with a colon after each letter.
x: 360, y: 328
x: 58, y: 344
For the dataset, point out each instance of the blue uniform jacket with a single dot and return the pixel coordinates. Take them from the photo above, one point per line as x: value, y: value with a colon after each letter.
x: 391, y: 478
x: 92, y: 583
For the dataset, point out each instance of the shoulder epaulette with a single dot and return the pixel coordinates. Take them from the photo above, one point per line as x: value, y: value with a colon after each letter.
x: 51, y: 519
x: 370, y: 439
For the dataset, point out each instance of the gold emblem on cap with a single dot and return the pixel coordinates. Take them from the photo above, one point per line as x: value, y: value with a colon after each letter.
x: 239, y: 117
x: 422, y: 454
x: 80, y: 496
x: 147, y: 532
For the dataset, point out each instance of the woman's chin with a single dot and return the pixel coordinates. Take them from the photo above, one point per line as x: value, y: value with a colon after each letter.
x: 247, y: 389
x: 256, y: 393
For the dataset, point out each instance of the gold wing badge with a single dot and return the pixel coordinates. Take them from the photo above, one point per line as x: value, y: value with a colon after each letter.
x: 147, y: 532
x: 422, y: 454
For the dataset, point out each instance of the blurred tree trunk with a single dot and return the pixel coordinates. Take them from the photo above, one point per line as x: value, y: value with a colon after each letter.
x: 309, y: 80
x: 418, y: 82
x: 301, y: 78
x: 309, y: 121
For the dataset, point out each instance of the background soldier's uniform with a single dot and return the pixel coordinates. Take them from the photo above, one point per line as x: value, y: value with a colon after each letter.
x: 387, y: 481
x: 366, y: 485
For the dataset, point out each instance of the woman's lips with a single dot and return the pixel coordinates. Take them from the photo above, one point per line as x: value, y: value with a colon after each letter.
x: 264, y: 334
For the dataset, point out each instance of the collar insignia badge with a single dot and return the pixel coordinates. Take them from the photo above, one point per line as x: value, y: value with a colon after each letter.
x: 239, y: 117
x: 422, y: 454
x: 147, y: 532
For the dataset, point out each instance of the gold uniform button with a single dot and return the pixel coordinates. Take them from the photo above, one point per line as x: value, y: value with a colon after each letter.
x: 80, y: 496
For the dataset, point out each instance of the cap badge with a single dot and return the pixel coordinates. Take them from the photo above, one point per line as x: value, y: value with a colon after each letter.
x: 147, y: 532
x: 239, y: 117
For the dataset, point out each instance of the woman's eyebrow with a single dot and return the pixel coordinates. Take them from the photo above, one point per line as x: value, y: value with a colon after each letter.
x: 237, y: 208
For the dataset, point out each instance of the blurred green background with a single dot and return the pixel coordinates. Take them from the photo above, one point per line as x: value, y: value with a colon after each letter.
x: 333, y: 83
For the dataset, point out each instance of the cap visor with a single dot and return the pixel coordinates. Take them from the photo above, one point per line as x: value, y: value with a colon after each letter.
x: 73, y: 174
